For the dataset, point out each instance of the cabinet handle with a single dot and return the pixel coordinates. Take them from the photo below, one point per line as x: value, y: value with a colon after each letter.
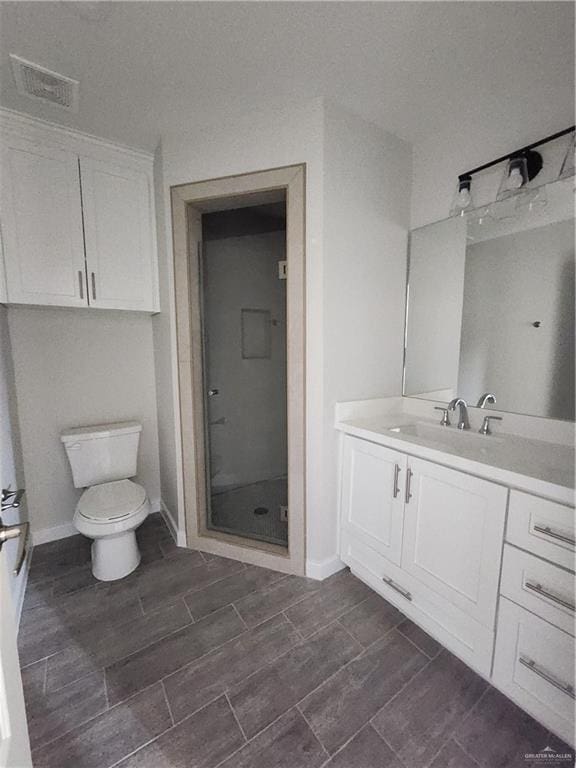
x: 397, y: 588
x: 396, y: 486
x: 81, y: 283
x: 93, y: 286
x: 531, y: 664
x: 547, y: 531
x: 539, y: 589
x: 408, y: 494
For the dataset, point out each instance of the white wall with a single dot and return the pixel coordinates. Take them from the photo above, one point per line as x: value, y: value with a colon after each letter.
x: 357, y: 217
x: 74, y: 368
x: 510, y: 282
x: 165, y: 369
x: 11, y: 468
x: 367, y: 177
x: 242, y: 273
x: 228, y: 144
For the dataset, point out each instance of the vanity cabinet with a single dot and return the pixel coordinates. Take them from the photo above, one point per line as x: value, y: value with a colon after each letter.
x: 372, y: 502
x: 428, y: 538
x: 77, y: 220
x: 487, y: 570
x: 453, y: 530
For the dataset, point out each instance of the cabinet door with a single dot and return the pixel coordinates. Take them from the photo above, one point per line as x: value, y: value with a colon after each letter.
x: 42, y: 225
x: 372, y: 501
x: 119, y: 234
x: 453, y: 533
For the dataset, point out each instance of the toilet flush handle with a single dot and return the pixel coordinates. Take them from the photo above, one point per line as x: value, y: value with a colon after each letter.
x: 74, y: 447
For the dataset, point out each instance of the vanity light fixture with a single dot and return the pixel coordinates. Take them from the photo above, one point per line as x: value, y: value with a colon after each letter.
x: 522, y: 166
x: 463, y: 197
x: 567, y: 169
x: 520, y: 169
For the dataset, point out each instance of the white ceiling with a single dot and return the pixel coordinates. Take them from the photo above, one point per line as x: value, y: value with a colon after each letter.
x: 415, y: 68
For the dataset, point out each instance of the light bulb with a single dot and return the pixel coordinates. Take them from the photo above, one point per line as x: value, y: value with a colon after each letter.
x: 515, y: 179
x: 464, y: 197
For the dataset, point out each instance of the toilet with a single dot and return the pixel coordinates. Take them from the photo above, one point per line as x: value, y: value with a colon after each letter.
x: 102, y: 459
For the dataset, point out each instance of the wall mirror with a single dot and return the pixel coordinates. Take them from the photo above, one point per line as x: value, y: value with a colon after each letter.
x: 490, y: 305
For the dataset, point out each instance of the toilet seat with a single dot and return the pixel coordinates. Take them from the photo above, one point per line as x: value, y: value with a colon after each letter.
x: 111, y: 502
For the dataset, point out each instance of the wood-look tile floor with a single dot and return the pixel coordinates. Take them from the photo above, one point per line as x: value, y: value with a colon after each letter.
x: 195, y: 661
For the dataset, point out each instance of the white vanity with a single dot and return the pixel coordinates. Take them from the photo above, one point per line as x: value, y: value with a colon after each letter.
x: 472, y: 537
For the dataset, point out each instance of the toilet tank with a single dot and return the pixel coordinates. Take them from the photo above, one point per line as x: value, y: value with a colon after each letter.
x: 102, y: 453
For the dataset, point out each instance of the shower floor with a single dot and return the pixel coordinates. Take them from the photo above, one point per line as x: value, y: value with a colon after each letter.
x: 233, y: 510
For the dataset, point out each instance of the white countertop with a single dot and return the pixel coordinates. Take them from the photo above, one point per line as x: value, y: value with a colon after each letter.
x: 541, y: 467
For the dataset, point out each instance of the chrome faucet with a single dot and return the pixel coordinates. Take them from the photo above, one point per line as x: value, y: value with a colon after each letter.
x: 463, y: 422
x: 487, y: 397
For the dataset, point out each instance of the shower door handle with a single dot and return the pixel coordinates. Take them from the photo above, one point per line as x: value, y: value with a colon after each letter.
x: 213, y: 392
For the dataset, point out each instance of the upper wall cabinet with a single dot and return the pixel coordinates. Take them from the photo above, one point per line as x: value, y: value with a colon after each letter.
x: 77, y: 219
x: 42, y: 225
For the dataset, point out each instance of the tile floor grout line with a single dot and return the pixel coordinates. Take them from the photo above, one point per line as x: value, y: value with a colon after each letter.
x: 294, y: 627
x: 106, y: 688
x: 312, y: 731
x: 235, y: 716
x: 249, y: 741
x: 240, y: 617
x: 135, y: 751
x: 45, y: 677
x: 453, y: 738
x: 164, y: 691
x: 285, y: 608
x: 397, y: 628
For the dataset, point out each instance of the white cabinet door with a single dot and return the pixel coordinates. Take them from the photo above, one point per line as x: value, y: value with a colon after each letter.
x: 372, y: 500
x: 534, y: 666
x: 119, y: 233
x: 453, y: 531
x: 41, y: 217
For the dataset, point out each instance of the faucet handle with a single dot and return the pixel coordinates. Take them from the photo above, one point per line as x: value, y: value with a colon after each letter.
x: 485, y: 428
x: 445, y: 421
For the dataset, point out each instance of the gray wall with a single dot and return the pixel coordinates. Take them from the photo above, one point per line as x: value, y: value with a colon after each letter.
x: 73, y: 368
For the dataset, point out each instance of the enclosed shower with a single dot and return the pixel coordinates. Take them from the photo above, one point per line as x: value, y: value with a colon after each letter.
x: 243, y: 315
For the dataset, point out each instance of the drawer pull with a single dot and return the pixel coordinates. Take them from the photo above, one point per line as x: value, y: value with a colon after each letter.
x: 531, y: 664
x: 396, y: 486
x: 539, y: 589
x: 547, y: 531
x: 397, y: 588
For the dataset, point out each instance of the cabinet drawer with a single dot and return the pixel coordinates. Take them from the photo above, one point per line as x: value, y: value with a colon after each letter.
x: 541, y: 587
x: 457, y: 631
x: 534, y: 666
x: 543, y: 527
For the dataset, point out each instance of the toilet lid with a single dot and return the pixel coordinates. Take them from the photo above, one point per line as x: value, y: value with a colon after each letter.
x: 111, y: 501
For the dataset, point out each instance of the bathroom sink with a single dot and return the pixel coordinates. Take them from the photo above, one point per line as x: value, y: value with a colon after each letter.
x: 449, y: 437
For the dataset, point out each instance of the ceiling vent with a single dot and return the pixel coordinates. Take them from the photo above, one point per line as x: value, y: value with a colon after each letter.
x: 38, y: 82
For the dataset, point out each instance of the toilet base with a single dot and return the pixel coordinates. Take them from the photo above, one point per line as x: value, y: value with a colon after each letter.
x: 114, y: 557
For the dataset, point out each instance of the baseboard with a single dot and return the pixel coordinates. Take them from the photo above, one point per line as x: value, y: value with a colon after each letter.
x: 321, y: 569
x: 44, y: 535
x: 169, y: 520
x: 23, y: 578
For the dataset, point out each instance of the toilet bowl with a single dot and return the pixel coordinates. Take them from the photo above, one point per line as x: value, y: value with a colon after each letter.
x: 102, y: 459
x: 109, y: 514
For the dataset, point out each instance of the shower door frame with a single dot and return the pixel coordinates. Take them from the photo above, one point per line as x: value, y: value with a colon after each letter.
x: 189, y: 202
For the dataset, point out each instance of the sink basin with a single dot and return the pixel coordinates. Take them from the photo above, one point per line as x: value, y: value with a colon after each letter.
x: 449, y: 437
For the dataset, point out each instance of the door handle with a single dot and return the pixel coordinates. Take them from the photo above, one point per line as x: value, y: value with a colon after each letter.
x: 81, y: 283
x: 21, y: 531
x: 547, y: 531
x: 93, y: 285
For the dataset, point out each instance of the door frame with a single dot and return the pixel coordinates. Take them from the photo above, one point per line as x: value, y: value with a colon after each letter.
x: 189, y: 202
